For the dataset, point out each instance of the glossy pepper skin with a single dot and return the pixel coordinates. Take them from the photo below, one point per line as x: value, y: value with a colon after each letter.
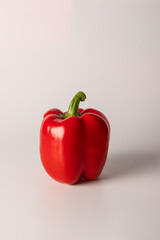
x: 75, y: 143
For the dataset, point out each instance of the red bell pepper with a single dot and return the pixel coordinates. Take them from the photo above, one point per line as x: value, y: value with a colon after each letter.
x: 75, y: 143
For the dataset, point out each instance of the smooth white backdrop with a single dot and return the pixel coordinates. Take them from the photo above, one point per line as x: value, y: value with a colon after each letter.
x: 49, y: 50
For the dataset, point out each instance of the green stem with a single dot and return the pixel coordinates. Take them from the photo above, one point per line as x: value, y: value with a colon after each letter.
x: 74, y: 105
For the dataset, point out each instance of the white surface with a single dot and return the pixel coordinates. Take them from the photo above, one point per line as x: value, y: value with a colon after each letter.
x: 122, y: 204
x: 49, y: 50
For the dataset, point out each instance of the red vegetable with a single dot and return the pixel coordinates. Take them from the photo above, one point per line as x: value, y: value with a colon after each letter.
x: 75, y: 143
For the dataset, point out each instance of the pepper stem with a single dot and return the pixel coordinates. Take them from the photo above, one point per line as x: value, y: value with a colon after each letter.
x: 74, y: 105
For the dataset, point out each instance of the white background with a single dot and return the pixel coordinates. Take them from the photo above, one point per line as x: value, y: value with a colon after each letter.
x: 49, y: 50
